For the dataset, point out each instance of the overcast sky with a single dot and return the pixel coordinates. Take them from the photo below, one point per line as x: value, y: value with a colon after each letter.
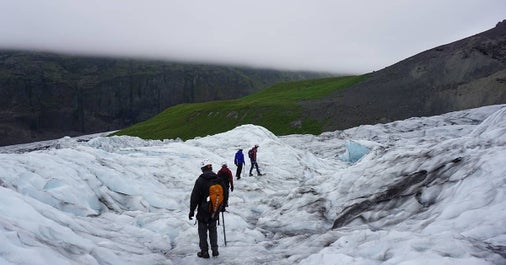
x: 352, y: 36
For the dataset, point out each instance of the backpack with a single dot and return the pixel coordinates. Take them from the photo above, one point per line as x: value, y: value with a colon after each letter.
x: 250, y: 153
x: 216, y: 198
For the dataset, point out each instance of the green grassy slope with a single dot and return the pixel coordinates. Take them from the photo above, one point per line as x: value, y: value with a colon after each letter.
x: 275, y: 108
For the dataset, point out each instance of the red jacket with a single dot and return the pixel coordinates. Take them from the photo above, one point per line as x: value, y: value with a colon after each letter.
x: 226, y: 175
x: 253, y: 154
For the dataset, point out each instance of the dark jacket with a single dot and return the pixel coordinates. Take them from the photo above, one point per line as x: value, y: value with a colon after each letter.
x: 200, y: 193
x: 253, y: 156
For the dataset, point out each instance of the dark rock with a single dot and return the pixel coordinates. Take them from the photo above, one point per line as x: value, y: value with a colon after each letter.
x: 465, y: 74
x: 45, y: 96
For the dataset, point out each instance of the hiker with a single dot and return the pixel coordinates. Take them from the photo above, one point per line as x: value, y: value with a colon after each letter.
x: 252, y: 153
x: 198, y: 199
x: 225, y: 176
x: 239, y: 162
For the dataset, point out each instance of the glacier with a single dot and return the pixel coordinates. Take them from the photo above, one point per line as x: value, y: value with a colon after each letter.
x: 426, y: 190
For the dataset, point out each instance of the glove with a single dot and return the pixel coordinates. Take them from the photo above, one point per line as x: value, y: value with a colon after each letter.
x: 223, y: 209
x: 232, y: 188
x: 191, y: 215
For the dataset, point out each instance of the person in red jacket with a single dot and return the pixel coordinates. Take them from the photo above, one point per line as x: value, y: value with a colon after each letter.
x: 226, y: 177
x: 252, y: 154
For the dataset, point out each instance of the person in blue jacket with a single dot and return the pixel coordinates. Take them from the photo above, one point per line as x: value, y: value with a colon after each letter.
x: 239, y: 162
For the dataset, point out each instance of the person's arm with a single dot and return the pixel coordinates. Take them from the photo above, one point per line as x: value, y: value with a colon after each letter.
x: 194, y: 199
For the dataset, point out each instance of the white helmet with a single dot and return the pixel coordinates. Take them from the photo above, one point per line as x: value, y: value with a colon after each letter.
x: 223, y: 164
x: 205, y: 162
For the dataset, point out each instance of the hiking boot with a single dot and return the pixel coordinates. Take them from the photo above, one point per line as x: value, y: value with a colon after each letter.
x: 203, y: 254
x: 238, y: 178
x: 216, y: 253
x: 251, y: 175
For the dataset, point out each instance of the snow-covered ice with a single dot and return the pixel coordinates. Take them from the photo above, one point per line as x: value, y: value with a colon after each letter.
x: 428, y: 190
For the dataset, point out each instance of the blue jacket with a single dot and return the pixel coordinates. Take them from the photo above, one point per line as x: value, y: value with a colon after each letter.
x: 239, y: 158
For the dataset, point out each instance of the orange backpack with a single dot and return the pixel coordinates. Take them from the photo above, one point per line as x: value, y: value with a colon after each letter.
x: 216, y: 197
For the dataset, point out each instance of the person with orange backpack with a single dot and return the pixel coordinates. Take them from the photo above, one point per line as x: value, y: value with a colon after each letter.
x: 208, y: 196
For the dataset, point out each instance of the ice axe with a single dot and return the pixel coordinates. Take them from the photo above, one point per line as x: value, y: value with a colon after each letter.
x: 224, y: 234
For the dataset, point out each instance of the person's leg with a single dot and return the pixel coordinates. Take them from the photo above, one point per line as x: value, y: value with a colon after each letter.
x: 226, y: 194
x: 256, y: 166
x: 213, y: 237
x: 239, y: 171
x: 203, y: 236
x: 251, y: 169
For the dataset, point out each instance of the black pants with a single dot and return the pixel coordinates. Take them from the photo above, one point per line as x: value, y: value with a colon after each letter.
x: 213, y: 236
x: 239, y: 171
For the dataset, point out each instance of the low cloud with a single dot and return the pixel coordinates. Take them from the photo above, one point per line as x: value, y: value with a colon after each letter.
x: 335, y: 36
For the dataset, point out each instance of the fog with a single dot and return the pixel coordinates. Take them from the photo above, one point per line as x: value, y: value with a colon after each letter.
x: 336, y: 36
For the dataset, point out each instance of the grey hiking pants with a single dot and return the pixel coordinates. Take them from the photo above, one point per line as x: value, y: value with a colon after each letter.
x: 213, y: 236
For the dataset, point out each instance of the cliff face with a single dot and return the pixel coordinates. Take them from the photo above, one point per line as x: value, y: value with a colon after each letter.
x: 465, y: 74
x: 45, y: 96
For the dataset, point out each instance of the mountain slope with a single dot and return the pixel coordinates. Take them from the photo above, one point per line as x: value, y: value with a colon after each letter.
x: 47, y: 96
x: 465, y: 74
x: 276, y: 108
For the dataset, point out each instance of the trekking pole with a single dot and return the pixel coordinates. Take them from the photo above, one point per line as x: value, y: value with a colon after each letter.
x: 224, y: 235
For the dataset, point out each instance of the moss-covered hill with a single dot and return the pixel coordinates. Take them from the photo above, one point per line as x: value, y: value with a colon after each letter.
x: 277, y: 108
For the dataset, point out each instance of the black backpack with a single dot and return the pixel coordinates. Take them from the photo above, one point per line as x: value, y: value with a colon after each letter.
x: 250, y: 153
